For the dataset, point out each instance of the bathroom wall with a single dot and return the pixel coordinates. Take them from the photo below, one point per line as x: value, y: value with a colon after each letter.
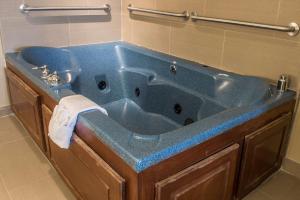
x: 54, y: 28
x: 58, y: 28
x: 243, y: 50
x: 4, y: 100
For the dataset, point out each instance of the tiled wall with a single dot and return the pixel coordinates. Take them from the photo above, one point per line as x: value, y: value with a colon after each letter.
x: 54, y: 28
x: 242, y: 50
x: 58, y: 28
x: 3, y: 88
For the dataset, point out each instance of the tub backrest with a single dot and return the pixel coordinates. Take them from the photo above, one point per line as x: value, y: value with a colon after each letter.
x: 55, y: 58
x: 236, y: 90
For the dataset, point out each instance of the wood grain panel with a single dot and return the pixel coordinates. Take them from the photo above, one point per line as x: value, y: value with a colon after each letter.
x: 25, y: 103
x: 210, y: 179
x: 263, y: 153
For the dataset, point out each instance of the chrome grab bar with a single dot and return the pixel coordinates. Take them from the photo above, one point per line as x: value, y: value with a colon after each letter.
x: 24, y: 8
x: 184, y: 14
x: 292, y: 29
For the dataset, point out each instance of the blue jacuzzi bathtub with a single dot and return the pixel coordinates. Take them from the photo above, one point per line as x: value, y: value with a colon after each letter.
x: 158, y: 105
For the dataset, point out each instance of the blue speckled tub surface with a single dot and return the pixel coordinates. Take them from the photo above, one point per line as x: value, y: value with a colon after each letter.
x: 153, y: 112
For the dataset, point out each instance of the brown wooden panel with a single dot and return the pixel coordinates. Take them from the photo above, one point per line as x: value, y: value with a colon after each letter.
x: 47, y: 113
x: 263, y: 153
x: 87, y: 172
x: 181, y: 161
x: 26, y: 105
x: 210, y: 179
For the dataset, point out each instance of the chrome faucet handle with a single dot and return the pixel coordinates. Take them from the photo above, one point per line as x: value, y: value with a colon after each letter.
x: 45, y: 71
x: 53, y: 78
x: 42, y: 67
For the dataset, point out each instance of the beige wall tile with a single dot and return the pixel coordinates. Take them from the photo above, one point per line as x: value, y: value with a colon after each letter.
x: 151, y: 33
x: 21, y: 32
x: 10, y: 8
x: 126, y: 28
x: 94, y: 29
x: 58, y: 28
x: 255, y: 10
x: 198, y: 43
x: 179, y: 5
x: 289, y: 12
x: 262, y: 56
x: 137, y: 3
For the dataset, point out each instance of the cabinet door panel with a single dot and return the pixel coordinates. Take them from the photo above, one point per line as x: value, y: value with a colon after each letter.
x: 91, y: 177
x: 26, y: 105
x: 263, y: 153
x: 86, y: 173
x: 210, y: 179
x: 46, y: 112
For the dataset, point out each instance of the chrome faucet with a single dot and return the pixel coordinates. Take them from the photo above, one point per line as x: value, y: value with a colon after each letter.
x: 53, y: 79
x: 44, y: 69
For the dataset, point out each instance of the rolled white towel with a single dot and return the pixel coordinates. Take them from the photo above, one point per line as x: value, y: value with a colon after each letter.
x: 65, y: 115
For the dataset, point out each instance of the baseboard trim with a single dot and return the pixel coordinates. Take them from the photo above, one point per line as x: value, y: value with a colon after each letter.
x: 6, y: 110
x: 291, y: 167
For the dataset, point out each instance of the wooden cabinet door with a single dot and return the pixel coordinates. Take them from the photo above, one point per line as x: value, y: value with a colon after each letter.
x: 210, y: 179
x: 263, y: 153
x: 25, y: 104
x: 47, y: 113
x: 90, y: 176
x: 87, y: 174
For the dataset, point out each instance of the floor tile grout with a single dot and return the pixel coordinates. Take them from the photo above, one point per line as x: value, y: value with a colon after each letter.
x: 5, y: 187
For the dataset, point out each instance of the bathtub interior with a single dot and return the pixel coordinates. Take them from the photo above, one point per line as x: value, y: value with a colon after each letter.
x: 140, y: 92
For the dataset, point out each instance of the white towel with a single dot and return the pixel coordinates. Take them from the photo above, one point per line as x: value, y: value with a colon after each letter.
x: 65, y: 115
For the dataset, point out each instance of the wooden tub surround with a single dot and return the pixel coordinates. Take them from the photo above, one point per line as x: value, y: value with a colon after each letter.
x: 226, y: 167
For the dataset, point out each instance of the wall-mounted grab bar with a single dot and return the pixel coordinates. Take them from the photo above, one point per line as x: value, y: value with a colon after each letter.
x: 184, y: 14
x: 292, y: 29
x: 26, y: 9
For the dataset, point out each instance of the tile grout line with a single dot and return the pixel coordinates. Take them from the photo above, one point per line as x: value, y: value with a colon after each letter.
x: 170, y: 39
x: 204, y: 7
x: 16, y: 140
x: 5, y: 188
x: 223, y: 49
x: 264, y: 36
x: 278, y: 12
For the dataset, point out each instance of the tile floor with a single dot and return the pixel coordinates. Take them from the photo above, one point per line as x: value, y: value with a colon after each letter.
x: 25, y: 174
x: 281, y: 186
